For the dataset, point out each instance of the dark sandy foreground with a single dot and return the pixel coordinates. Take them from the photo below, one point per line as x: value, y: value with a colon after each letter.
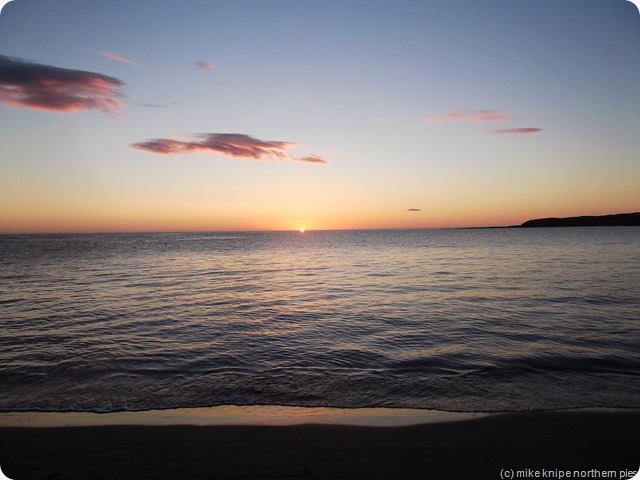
x: 581, y: 442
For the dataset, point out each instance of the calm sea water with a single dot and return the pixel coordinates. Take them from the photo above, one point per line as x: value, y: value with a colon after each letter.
x: 467, y: 320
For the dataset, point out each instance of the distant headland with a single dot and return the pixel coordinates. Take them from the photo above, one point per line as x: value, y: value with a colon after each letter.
x: 616, y: 220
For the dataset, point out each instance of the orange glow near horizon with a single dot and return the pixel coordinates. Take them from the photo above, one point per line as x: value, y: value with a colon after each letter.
x: 73, y: 215
x: 114, y: 225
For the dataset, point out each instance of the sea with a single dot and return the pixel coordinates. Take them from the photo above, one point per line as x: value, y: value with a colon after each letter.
x: 465, y: 320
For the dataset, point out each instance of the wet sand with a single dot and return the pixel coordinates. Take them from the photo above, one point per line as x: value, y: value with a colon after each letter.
x: 478, y: 448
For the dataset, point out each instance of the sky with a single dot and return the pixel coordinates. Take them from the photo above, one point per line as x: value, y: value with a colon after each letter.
x: 209, y: 115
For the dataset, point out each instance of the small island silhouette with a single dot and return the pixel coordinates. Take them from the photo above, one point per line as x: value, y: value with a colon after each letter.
x: 615, y: 220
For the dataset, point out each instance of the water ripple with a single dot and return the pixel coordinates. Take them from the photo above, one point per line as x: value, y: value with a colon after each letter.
x: 479, y: 320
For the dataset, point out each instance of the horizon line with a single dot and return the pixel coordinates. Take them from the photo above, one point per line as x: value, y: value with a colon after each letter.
x: 305, y: 229
x: 290, y: 230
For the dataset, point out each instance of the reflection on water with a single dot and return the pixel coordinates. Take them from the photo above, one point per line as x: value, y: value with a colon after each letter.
x: 238, y: 415
x: 474, y: 320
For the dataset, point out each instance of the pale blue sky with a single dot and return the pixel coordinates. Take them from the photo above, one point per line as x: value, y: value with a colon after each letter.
x: 372, y: 87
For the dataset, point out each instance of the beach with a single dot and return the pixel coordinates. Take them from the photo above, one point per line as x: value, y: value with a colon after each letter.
x: 574, y: 444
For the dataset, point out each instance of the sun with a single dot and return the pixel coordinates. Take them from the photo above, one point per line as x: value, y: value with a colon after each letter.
x: 301, y: 230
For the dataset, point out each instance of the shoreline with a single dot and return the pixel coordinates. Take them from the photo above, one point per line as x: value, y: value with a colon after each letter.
x: 265, y: 415
x: 255, y: 415
x: 477, y: 447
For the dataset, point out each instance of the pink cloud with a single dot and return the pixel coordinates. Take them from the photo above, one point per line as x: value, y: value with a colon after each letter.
x: 206, y: 65
x: 471, y: 116
x: 515, y: 131
x: 113, y: 56
x: 43, y: 87
x: 312, y: 159
x: 235, y: 145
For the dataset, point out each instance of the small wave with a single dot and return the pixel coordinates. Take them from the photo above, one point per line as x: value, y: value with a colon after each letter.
x: 564, y: 364
x: 454, y: 363
x: 10, y: 301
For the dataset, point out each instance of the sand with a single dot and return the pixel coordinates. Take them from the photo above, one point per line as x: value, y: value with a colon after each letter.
x: 588, y: 443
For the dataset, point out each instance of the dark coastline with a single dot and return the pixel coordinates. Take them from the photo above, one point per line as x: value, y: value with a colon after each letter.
x: 614, y: 220
x: 617, y: 220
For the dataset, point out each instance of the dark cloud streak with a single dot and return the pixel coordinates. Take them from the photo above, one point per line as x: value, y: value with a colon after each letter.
x: 516, y: 131
x: 206, y: 65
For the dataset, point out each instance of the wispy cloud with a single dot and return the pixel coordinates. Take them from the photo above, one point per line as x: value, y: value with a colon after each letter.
x: 113, y: 56
x: 206, y: 65
x: 234, y: 145
x: 483, y: 116
x: 515, y: 131
x: 150, y: 105
x: 414, y: 209
x: 30, y: 85
x: 471, y: 116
